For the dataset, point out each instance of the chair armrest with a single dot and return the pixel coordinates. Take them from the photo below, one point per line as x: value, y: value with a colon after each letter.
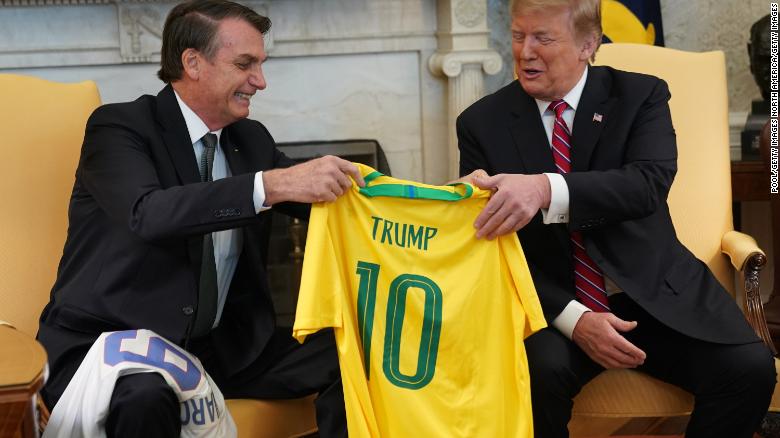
x: 739, y: 247
x: 749, y: 259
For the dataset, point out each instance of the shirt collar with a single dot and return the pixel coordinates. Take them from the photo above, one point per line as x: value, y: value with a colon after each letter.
x: 195, y: 126
x: 572, y: 98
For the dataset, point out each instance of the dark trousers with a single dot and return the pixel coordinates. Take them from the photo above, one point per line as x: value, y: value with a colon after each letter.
x: 732, y: 384
x: 143, y: 405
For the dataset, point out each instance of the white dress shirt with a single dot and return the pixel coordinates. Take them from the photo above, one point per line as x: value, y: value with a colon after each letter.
x: 227, y: 243
x: 558, y: 212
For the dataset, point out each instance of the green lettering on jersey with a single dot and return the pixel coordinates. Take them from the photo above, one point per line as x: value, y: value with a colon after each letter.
x: 386, y: 232
x: 431, y: 330
x: 428, y: 350
x: 415, y: 236
x: 366, y: 303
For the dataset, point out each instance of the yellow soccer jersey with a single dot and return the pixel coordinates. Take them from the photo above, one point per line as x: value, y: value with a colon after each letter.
x: 429, y: 321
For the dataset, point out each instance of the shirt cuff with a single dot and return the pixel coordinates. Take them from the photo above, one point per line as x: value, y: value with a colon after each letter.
x: 258, y: 196
x: 567, y: 319
x: 558, y: 213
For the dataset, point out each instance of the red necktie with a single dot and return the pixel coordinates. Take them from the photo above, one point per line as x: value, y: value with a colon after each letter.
x: 588, y: 279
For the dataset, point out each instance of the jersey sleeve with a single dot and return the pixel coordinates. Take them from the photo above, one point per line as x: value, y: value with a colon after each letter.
x: 319, y: 299
x: 524, y: 284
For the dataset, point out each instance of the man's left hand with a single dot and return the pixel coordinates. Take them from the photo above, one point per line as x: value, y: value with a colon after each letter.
x: 515, y: 201
x: 600, y: 335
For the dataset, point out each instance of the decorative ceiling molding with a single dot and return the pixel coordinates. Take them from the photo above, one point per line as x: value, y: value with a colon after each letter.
x: 74, y: 2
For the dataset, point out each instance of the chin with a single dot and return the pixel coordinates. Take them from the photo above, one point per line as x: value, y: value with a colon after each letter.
x: 240, y: 113
x: 533, y: 90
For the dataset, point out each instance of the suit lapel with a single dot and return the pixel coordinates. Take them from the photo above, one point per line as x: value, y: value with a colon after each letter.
x: 177, y: 142
x: 232, y: 153
x: 594, y: 104
x: 529, y: 135
x: 176, y: 137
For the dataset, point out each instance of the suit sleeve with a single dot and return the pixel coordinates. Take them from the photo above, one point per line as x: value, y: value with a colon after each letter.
x: 280, y: 160
x: 471, y: 155
x: 118, y: 168
x: 641, y: 185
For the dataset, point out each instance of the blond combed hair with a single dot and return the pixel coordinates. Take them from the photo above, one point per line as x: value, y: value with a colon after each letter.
x: 585, y: 15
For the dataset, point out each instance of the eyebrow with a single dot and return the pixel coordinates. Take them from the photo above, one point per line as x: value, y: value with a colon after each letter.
x: 249, y: 58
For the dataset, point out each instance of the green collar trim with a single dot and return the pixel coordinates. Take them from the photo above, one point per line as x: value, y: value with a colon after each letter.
x: 462, y: 191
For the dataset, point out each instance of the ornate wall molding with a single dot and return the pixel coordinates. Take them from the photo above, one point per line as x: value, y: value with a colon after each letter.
x: 463, y: 57
x: 140, y: 32
x: 69, y: 2
x: 469, y: 13
x: 451, y: 64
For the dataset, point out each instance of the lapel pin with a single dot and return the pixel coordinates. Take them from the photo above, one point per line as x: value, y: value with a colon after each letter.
x: 597, y: 117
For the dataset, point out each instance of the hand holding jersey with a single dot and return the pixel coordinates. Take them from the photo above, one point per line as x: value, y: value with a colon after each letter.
x: 320, y: 180
x: 516, y: 200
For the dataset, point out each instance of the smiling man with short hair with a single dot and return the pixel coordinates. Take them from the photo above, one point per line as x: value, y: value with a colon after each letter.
x: 168, y: 232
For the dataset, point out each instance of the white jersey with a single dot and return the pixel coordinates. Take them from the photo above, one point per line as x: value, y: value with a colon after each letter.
x: 83, y: 407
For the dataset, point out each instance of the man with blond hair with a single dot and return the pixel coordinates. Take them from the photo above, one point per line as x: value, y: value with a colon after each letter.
x: 581, y: 159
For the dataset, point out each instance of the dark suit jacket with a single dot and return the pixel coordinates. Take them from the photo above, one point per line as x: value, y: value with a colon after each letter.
x: 622, y: 169
x: 137, y: 215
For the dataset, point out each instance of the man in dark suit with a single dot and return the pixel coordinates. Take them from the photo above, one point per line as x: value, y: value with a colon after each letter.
x: 581, y: 160
x: 168, y: 231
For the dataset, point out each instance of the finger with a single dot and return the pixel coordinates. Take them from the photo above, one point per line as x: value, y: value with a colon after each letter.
x: 620, y: 324
x: 615, y: 358
x: 509, y: 225
x: 353, y: 171
x: 335, y: 188
x: 487, y: 182
x: 343, y: 181
x: 624, y: 346
x: 473, y: 176
x: 327, y: 197
x: 488, y: 229
x: 624, y: 359
x: 492, y: 206
x: 609, y: 363
x: 479, y: 173
x: 517, y: 222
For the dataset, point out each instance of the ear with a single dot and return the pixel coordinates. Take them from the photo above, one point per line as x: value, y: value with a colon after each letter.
x: 588, y: 48
x: 191, y: 61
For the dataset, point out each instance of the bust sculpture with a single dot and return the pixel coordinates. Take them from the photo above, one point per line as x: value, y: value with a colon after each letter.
x: 758, y: 51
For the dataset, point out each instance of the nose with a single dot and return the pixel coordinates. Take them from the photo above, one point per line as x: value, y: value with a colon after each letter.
x: 528, y: 50
x: 257, y: 79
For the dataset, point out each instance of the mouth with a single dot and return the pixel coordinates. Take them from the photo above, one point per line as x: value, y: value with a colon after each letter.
x: 243, y: 97
x: 531, y: 73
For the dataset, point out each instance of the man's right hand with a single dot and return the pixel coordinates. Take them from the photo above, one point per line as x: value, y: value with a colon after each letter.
x: 320, y: 180
x: 598, y: 334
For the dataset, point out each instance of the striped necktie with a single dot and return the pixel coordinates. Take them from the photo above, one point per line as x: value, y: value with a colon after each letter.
x: 588, y: 279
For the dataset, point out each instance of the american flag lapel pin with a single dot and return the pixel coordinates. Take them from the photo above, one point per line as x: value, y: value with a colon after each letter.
x: 597, y: 117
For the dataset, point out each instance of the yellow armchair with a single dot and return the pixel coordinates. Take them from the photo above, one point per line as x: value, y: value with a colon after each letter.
x: 43, y: 127
x: 700, y: 204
